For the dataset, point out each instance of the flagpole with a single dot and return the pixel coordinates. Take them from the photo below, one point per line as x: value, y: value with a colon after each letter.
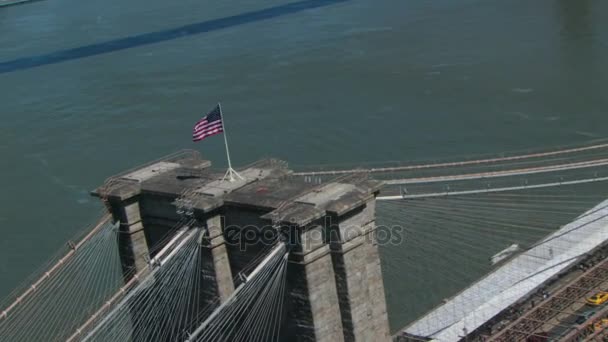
x: 225, y: 137
x: 230, y: 173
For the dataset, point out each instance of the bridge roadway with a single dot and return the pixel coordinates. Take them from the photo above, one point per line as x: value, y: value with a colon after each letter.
x: 520, y: 277
x: 587, y: 332
x: 534, y: 321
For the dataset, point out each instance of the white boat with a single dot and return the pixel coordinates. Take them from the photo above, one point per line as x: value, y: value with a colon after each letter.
x: 504, y: 254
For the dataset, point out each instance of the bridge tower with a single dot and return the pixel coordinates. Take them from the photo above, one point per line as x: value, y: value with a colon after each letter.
x: 334, y: 288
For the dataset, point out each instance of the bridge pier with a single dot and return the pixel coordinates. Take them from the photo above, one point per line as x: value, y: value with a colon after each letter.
x: 334, y: 282
x: 314, y: 312
x: 337, y: 290
x: 359, y: 276
x: 132, y: 243
x: 215, y: 263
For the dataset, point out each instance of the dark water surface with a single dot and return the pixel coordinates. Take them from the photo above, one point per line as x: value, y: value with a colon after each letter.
x: 89, y: 88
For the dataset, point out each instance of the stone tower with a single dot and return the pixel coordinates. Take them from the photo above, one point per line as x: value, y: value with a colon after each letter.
x: 334, y: 291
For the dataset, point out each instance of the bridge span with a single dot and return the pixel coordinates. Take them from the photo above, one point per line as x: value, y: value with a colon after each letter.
x: 283, y: 255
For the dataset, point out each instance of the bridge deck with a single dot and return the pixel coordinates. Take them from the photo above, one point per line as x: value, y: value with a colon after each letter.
x: 525, y: 273
x: 571, y: 296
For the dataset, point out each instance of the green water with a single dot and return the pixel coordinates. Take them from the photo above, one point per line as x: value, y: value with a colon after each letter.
x: 353, y: 82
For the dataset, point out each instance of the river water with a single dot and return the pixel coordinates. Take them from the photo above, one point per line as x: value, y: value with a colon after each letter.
x: 90, y: 88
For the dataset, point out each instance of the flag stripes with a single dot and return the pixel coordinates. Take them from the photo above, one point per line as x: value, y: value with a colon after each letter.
x: 210, y: 125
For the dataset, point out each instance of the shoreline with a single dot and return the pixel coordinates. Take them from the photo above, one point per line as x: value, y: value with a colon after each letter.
x: 6, y: 3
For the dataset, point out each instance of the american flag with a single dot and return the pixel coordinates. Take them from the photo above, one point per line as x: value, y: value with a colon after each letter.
x: 210, y: 125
